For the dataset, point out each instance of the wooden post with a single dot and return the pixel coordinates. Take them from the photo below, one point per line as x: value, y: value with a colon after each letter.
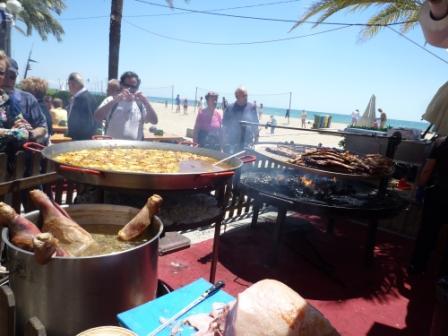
x: 7, y: 311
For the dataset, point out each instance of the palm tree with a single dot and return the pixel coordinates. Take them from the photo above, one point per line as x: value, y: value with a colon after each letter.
x: 39, y: 15
x: 116, y: 14
x: 390, y: 12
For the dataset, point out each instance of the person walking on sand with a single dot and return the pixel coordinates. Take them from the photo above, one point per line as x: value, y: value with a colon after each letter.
x: 288, y: 111
x: 383, y: 118
x: 355, y: 116
x: 185, y: 106
x: 303, y: 118
x: 177, y: 104
x: 260, y: 112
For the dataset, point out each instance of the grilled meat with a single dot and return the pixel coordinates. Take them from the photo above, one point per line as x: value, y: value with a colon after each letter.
x: 344, y: 162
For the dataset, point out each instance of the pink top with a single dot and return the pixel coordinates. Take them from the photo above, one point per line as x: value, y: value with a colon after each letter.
x: 207, y: 123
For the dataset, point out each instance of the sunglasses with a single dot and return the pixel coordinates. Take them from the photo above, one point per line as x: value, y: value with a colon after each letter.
x: 129, y: 86
x: 2, y: 72
x: 11, y: 75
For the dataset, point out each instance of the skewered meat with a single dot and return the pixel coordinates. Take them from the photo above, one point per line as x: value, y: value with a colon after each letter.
x: 283, y: 151
x: 21, y: 230
x: 72, y: 237
x: 344, y: 162
x: 270, y: 308
x: 45, y: 246
x: 142, y: 220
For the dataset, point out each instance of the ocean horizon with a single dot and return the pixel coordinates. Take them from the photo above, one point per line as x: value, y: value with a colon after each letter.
x: 335, y: 117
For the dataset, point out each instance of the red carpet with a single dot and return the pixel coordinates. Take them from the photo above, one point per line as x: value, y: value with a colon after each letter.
x: 376, y: 301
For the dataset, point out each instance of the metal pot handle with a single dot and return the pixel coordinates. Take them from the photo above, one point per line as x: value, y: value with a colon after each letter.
x: 248, y: 158
x: 101, y: 137
x: 188, y: 143
x: 80, y: 170
x: 218, y: 174
x: 33, y: 147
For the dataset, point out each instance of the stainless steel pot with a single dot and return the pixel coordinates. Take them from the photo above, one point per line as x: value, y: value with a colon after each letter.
x: 145, y: 181
x: 73, y: 294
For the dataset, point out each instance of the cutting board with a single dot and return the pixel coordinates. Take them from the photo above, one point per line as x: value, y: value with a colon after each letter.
x: 146, y: 317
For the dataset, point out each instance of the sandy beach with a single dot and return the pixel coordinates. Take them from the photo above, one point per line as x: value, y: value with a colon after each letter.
x: 177, y: 123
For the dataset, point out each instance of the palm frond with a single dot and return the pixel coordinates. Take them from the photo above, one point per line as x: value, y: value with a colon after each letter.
x: 392, y: 11
x: 39, y: 16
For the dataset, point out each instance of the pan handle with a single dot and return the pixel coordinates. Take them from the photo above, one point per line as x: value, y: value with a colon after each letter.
x: 218, y: 174
x: 101, y: 137
x: 33, y: 147
x: 248, y: 158
x: 188, y: 143
x: 80, y: 170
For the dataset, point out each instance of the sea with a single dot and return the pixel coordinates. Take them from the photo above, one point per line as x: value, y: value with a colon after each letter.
x: 335, y: 117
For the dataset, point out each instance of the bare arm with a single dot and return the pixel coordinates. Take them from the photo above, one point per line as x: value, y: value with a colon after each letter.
x: 426, y: 172
x: 38, y: 133
x: 101, y: 112
x: 151, y: 115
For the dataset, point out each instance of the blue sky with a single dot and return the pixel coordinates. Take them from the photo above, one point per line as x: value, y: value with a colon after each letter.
x: 331, y: 72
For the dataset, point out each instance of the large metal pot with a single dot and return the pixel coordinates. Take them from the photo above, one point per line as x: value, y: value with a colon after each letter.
x: 73, y: 294
x: 145, y: 181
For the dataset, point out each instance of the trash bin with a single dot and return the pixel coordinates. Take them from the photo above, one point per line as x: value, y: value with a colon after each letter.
x: 439, y: 326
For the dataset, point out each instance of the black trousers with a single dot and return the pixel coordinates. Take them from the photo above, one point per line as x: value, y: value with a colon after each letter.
x: 434, y: 216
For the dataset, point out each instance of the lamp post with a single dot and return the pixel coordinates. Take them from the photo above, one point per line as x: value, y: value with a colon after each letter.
x: 8, y: 12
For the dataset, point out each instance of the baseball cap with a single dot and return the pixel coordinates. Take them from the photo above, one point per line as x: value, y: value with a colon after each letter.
x: 13, y: 67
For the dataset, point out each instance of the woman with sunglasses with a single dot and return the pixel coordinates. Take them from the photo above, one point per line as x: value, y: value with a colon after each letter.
x: 207, y: 130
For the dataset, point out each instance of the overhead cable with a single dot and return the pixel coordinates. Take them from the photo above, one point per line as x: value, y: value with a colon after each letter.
x: 418, y: 45
x: 208, y: 12
x: 235, y: 43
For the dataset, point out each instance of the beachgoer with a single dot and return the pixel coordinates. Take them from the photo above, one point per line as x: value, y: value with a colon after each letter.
x: 383, y: 118
x: 177, y: 104
x: 81, y: 123
x: 166, y: 103
x: 201, y: 103
x: 434, y: 22
x: 207, y: 130
x: 355, y: 116
x: 272, y: 123
x: 288, y: 111
x: 58, y: 113
x: 433, y: 183
x: 241, y: 110
x: 185, y: 105
x: 303, y: 118
x: 29, y: 107
x: 260, y: 112
x: 224, y: 104
x: 126, y: 113
x: 113, y: 87
x: 38, y: 87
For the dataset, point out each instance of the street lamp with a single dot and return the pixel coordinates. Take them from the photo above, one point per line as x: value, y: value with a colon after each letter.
x: 8, y: 12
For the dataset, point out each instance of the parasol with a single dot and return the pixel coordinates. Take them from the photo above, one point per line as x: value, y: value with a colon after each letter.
x: 369, y: 117
x: 437, y: 111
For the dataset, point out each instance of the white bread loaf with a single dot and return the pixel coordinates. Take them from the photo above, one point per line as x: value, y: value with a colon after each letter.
x: 270, y: 308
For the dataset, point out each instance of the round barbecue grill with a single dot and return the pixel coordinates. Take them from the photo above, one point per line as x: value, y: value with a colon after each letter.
x: 288, y: 189
x: 319, y: 195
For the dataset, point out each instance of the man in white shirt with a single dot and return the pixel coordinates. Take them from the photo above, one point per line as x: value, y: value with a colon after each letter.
x: 126, y: 112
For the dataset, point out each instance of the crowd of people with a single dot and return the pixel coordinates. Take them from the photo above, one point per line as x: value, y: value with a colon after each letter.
x: 29, y: 114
